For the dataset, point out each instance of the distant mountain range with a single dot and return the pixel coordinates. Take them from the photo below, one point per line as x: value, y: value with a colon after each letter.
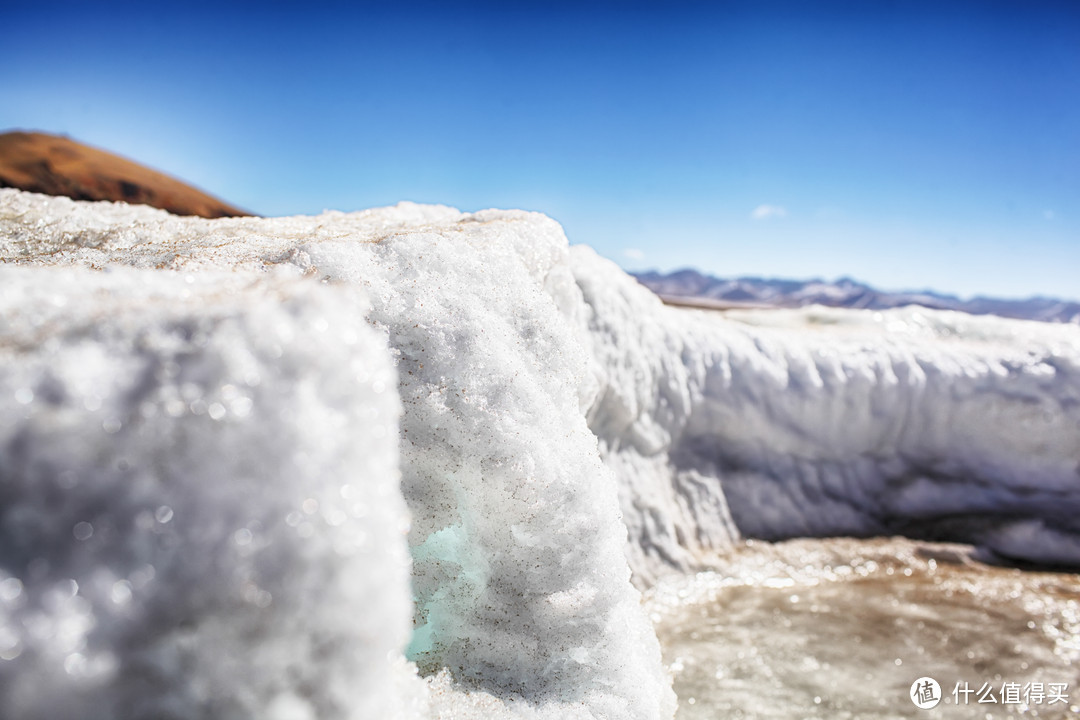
x: 689, y: 287
x: 57, y: 165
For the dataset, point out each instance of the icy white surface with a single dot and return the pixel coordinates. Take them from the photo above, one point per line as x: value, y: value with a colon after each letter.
x: 820, y: 421
x: 199, y: 504
x: 519, y: 576
x: 523, y: 605
x: 515, y: 355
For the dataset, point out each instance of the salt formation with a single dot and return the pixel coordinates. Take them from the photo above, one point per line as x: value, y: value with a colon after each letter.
x: 819, y: 422
x: 540, y: 387
x: 523, y: 605
x: 199, y: 514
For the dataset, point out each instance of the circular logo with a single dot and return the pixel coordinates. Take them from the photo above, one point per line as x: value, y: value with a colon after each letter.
x: 925, y: 693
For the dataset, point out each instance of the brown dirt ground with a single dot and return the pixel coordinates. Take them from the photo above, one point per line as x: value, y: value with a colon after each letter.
x: 55, y: 165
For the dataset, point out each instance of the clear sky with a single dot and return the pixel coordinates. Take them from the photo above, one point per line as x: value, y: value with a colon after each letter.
x: 907, y: 144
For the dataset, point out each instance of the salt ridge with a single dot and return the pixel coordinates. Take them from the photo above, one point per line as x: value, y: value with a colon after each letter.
x: 824, y: 422
x: 541, y: 389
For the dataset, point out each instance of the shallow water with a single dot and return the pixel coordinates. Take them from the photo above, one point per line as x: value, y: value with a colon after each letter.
x: 842, y: 628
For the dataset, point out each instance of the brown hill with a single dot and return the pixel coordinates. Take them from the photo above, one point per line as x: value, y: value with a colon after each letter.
x: 60, y: 166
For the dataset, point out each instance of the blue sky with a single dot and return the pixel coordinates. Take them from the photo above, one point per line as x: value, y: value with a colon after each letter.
x: 908, y: 144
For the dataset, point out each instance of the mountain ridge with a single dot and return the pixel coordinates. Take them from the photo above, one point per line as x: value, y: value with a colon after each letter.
x: 57, y: 165
x: 691, y: 287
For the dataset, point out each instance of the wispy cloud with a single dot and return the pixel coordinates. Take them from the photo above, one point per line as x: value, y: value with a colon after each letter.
x: 764, y: 212
x: 633, y: 253
x: 1048, y: 214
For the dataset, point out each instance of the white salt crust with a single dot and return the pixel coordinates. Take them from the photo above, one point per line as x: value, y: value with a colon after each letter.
x: 521, y: 587
x: 827, y: 422
x: 551, y: 405
x: 199, y: 503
